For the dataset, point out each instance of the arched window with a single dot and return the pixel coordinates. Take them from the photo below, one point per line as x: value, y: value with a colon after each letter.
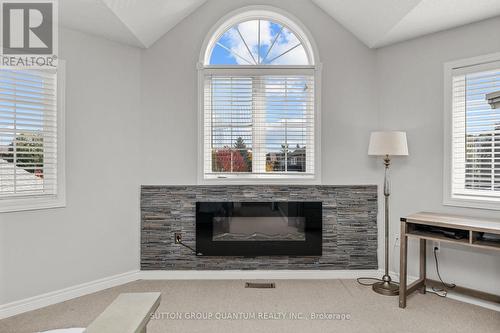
x: 259, y: 42
x: 259, y: 116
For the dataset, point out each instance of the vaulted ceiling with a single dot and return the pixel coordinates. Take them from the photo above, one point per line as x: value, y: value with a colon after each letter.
x: 134, y: 22
x: 383, y: 22
x: 375, y: 22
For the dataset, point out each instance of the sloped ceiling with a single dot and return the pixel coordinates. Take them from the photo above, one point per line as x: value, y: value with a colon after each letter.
x: 94, y: 17
x: 134, y: 22
x: 375, y: 22
x: 383, y: 22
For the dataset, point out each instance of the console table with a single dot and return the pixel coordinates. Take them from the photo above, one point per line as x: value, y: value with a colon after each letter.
x: 467, y: 231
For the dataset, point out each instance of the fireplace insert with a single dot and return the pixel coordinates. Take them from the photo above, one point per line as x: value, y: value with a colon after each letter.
x: 286, y: 228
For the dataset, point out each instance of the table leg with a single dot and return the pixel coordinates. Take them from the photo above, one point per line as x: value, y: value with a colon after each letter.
x: 423, y: 259
x: 403, y: 265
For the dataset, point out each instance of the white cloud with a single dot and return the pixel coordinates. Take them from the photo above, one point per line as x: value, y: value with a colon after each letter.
x: 297, y: 56
x: 249, y: 30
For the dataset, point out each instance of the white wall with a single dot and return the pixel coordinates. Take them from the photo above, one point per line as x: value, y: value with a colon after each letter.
x: 97, y: 234
x: 410, y: 88
x: 169, y: 94
x: 3, y: 284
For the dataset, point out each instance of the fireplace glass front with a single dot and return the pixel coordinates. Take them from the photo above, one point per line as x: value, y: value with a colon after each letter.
x: 258, y: 228
x: 270, y: 221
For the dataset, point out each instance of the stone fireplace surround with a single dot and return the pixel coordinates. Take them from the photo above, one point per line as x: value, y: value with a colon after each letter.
x: 349, y: 226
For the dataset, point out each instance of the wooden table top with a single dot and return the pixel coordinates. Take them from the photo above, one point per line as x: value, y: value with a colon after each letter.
x: 456, y: 221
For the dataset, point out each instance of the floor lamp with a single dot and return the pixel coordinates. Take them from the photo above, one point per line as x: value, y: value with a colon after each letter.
x: 387, y: 144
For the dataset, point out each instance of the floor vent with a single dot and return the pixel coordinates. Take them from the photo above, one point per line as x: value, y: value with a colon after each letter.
x: 260, y: 285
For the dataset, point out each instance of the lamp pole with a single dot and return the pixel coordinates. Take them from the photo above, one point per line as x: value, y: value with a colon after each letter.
x: 386, y: 286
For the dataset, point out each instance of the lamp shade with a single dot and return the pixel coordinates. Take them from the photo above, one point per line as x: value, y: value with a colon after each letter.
x: 388, y: 143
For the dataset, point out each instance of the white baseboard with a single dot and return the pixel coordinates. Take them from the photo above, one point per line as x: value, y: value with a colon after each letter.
x: 258, y: 274
x: 40, y: 301
x: 456, y: 296
x: 475, y: 301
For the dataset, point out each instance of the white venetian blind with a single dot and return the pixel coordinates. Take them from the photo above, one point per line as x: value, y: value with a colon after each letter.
x: 259, y: 124
x: 28, y: 133
x: 476, y: 133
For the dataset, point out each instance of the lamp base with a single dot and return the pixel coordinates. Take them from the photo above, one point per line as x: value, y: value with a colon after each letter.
x: 386, y: 287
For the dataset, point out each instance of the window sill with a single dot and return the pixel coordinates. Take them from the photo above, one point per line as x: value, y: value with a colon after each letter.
x: 473, y: 202
x: 31, y: 203
x: 260, y: 179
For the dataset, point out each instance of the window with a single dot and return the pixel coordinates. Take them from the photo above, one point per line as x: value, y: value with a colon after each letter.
x: 31, y: 169
x: 259, y: 110
x: 473, y: 151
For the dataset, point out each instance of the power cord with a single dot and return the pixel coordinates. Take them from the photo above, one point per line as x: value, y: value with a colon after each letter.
x: 187, y: 246
x: 178, y: 240
x: 368, y: 284
x: 441, y: 292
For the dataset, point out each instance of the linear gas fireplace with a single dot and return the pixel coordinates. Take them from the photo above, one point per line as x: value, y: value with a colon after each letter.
x: 259, y: 228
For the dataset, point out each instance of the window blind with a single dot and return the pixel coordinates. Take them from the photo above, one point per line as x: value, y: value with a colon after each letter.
x: 28, y: 133
x: 476, y: 134
x: 259, y: 124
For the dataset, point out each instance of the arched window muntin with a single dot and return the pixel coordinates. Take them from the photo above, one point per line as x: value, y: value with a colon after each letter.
x: 259, y: 13
x: 260, y: 73
x: 259, y: 42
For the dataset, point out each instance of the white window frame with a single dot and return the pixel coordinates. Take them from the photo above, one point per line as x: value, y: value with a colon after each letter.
x: 34, y: 202
x: 470, y: 201
x: 226, y: 22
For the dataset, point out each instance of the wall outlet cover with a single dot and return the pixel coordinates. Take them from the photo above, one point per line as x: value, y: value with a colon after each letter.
x: 177, y: 237
x: 436, y: 244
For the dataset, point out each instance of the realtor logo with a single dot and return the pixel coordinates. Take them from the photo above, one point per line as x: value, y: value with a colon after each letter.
x: 28, y: 28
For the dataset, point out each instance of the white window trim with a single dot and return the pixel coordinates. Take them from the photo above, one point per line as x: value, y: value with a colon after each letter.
x: 469, y: 201
x: 247, y: 13
x: 58, y: 200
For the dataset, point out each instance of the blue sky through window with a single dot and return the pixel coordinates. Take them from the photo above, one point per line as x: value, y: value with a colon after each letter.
x: 286, y: 114
x: 478, y: 110
x: 482, y: 129
x: 28, y: 115
x: 258, y: 42
x: 273, y: 112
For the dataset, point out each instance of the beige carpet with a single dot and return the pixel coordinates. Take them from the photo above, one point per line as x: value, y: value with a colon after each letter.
x: 252, y: 309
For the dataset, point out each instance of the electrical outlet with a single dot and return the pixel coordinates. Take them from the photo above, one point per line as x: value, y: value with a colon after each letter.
x: 436, y: 245
x: 177, y: 237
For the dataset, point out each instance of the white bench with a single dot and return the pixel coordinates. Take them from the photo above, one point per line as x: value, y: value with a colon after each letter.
x: 129, y: 313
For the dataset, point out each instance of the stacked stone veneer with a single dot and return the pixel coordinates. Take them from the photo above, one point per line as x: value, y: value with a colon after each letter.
x: 349, y: 226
